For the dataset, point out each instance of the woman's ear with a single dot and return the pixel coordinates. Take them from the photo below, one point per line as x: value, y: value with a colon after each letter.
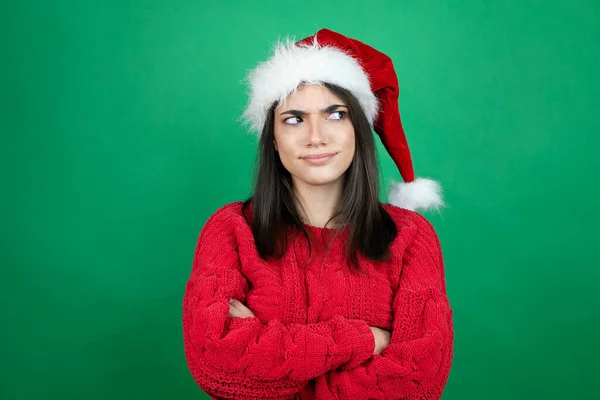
x: 275, y: 144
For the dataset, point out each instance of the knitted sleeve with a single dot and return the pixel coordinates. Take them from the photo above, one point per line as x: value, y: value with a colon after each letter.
x: 232, y: 357
x: 416, y: 363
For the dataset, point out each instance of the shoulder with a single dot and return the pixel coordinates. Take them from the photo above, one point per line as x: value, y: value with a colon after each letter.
x: 220, y: 238
x: 408, y: 220
x: 414, y: 230
x: 225, y: 219
x: 231, y: 210
x: 417, y: 240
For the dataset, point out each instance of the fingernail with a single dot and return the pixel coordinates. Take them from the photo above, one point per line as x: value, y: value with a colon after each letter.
x: 230, y: 301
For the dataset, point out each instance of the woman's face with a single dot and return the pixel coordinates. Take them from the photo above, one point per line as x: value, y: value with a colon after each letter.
x: 314, y: 121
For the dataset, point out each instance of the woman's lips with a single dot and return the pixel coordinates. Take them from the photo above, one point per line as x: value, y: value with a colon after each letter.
x: 318, y: 159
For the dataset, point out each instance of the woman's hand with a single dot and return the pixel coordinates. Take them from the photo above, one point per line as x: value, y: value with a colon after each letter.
x: 237, y: 309
x: 382, y: 339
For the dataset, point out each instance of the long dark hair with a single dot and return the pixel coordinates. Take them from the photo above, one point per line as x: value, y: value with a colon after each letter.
x: 371, y: 230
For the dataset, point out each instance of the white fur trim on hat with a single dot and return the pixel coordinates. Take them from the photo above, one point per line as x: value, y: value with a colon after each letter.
x: 420, y: 194
x: 292, y: 64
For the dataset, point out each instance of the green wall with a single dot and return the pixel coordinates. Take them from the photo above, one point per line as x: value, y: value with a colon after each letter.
x: 120, y: 137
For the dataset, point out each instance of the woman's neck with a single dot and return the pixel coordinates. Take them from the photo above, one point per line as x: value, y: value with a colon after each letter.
x: 318, y: 202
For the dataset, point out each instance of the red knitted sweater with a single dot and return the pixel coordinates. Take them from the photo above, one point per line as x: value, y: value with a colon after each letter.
x: 310, y: 337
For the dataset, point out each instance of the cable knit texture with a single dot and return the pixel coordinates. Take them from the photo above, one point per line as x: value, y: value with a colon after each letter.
x: 310, y: 337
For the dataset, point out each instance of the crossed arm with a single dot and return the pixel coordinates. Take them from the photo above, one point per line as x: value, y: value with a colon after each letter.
x: 381, y: 336
x: 380, y: 377
x: 232, y: 357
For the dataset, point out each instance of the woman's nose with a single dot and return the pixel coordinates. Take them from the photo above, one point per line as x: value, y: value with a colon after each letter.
x: 315, y: 134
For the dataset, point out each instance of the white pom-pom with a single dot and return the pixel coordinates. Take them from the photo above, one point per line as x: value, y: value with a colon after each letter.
x: 420, y: 194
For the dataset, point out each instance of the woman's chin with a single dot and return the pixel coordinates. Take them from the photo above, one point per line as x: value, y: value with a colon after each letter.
x: 320, y: 180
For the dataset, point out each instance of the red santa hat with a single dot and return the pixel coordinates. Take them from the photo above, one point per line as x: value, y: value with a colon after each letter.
x: 368, y: 74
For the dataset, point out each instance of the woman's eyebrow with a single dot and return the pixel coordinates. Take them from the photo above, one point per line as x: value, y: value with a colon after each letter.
x: 329, y: 109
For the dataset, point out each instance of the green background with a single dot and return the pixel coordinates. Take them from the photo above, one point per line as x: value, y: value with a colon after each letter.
x: 120, y: 136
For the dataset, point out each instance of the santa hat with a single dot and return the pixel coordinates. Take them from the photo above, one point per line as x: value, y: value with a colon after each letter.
x: 368, y: 74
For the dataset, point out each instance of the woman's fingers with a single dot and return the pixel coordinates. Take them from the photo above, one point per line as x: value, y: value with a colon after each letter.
x: 382, y: 338
x: 234, y: 312
x: 237, y: 309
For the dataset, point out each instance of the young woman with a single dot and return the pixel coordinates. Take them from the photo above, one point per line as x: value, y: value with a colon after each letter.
x: 312, y: 288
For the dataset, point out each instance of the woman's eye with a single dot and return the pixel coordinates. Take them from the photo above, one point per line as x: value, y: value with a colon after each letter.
x: 292, y: 120
x: 337, y: 115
